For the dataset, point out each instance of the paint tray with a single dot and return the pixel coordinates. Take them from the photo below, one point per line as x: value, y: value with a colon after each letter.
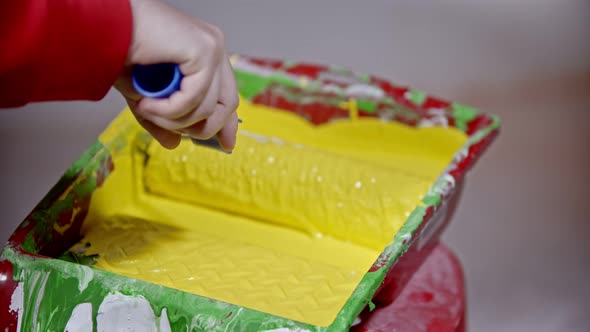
x: 63, y: 269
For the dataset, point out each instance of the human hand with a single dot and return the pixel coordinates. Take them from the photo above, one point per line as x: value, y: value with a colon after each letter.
x: 207, y: 100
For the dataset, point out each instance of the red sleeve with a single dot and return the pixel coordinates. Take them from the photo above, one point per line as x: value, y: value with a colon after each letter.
x: 61, y: 49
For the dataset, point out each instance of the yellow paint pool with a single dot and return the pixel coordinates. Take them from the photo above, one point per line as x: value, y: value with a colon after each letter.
x: 288, y: 224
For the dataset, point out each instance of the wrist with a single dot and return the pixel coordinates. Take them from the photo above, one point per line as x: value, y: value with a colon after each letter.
x: 135, y: 19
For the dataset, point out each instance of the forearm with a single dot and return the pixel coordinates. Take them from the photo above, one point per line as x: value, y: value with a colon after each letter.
x: 60, y: 49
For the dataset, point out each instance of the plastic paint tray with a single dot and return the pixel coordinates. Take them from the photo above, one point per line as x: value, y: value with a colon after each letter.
x: 52, y: 294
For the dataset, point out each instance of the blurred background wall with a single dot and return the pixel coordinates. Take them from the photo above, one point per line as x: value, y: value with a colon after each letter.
x: 522, y: 228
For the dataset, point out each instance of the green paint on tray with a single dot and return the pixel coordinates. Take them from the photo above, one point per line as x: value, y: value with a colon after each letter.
x: 78, y: 258
x: 339, y: 70
x: 482, y: 133
x: 288, y: 64
x: 250, y: 84
x: 432, y: 199
x: 53, y: 288
x: 463, y: 115
x: 416, y: 97
x: 29, y: 244
x: 366, y: 105
x: 284, y: 80
x: 366, y: 78
x: 85, y: 159
x: 49, y: 210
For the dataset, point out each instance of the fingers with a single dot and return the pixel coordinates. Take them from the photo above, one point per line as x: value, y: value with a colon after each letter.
x: 226, y: 106
x: 228, y: 95
x: 193, y: 91
x: 208, y: 128
x: 198, y: 112
x: 203, y: 111
x: 166, y: 138
x: 206, y: 108
x: 227, y: 135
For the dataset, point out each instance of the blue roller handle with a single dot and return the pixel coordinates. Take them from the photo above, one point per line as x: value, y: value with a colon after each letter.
x: 156, y: 81
x: 161, y: 81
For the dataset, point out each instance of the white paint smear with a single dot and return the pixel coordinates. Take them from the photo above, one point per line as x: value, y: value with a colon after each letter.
x: 122, y: 313
x: 16, y: 304
x: 81, y: 319
x: 84, y: 280
x: 164, y: 322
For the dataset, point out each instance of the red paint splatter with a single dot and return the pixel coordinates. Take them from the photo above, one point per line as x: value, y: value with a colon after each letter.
x: 336, y: 83
x: 421, y: 297
x: 268, y: 63
x: 380, y: 262
x: 308, y: 70
x: 107, y: 166
x: 316, y: 113
x: 473, y: 154
x: 8, y: 319
x: 480, y: 122
x: 431, y: 102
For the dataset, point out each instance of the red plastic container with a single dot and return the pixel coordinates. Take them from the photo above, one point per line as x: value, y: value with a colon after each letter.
x: 433, y: 300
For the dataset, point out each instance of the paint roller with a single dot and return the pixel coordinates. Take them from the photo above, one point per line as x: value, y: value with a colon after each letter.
x: 300, y: 187
x: 161, y: 81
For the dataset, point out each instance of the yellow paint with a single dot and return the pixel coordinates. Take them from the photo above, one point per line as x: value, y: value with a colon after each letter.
x: 294, y: 186
x: 352, y: 108
x: 286, y: 226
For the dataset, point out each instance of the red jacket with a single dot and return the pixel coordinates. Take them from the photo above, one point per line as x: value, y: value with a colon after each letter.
x: 61, y: 49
